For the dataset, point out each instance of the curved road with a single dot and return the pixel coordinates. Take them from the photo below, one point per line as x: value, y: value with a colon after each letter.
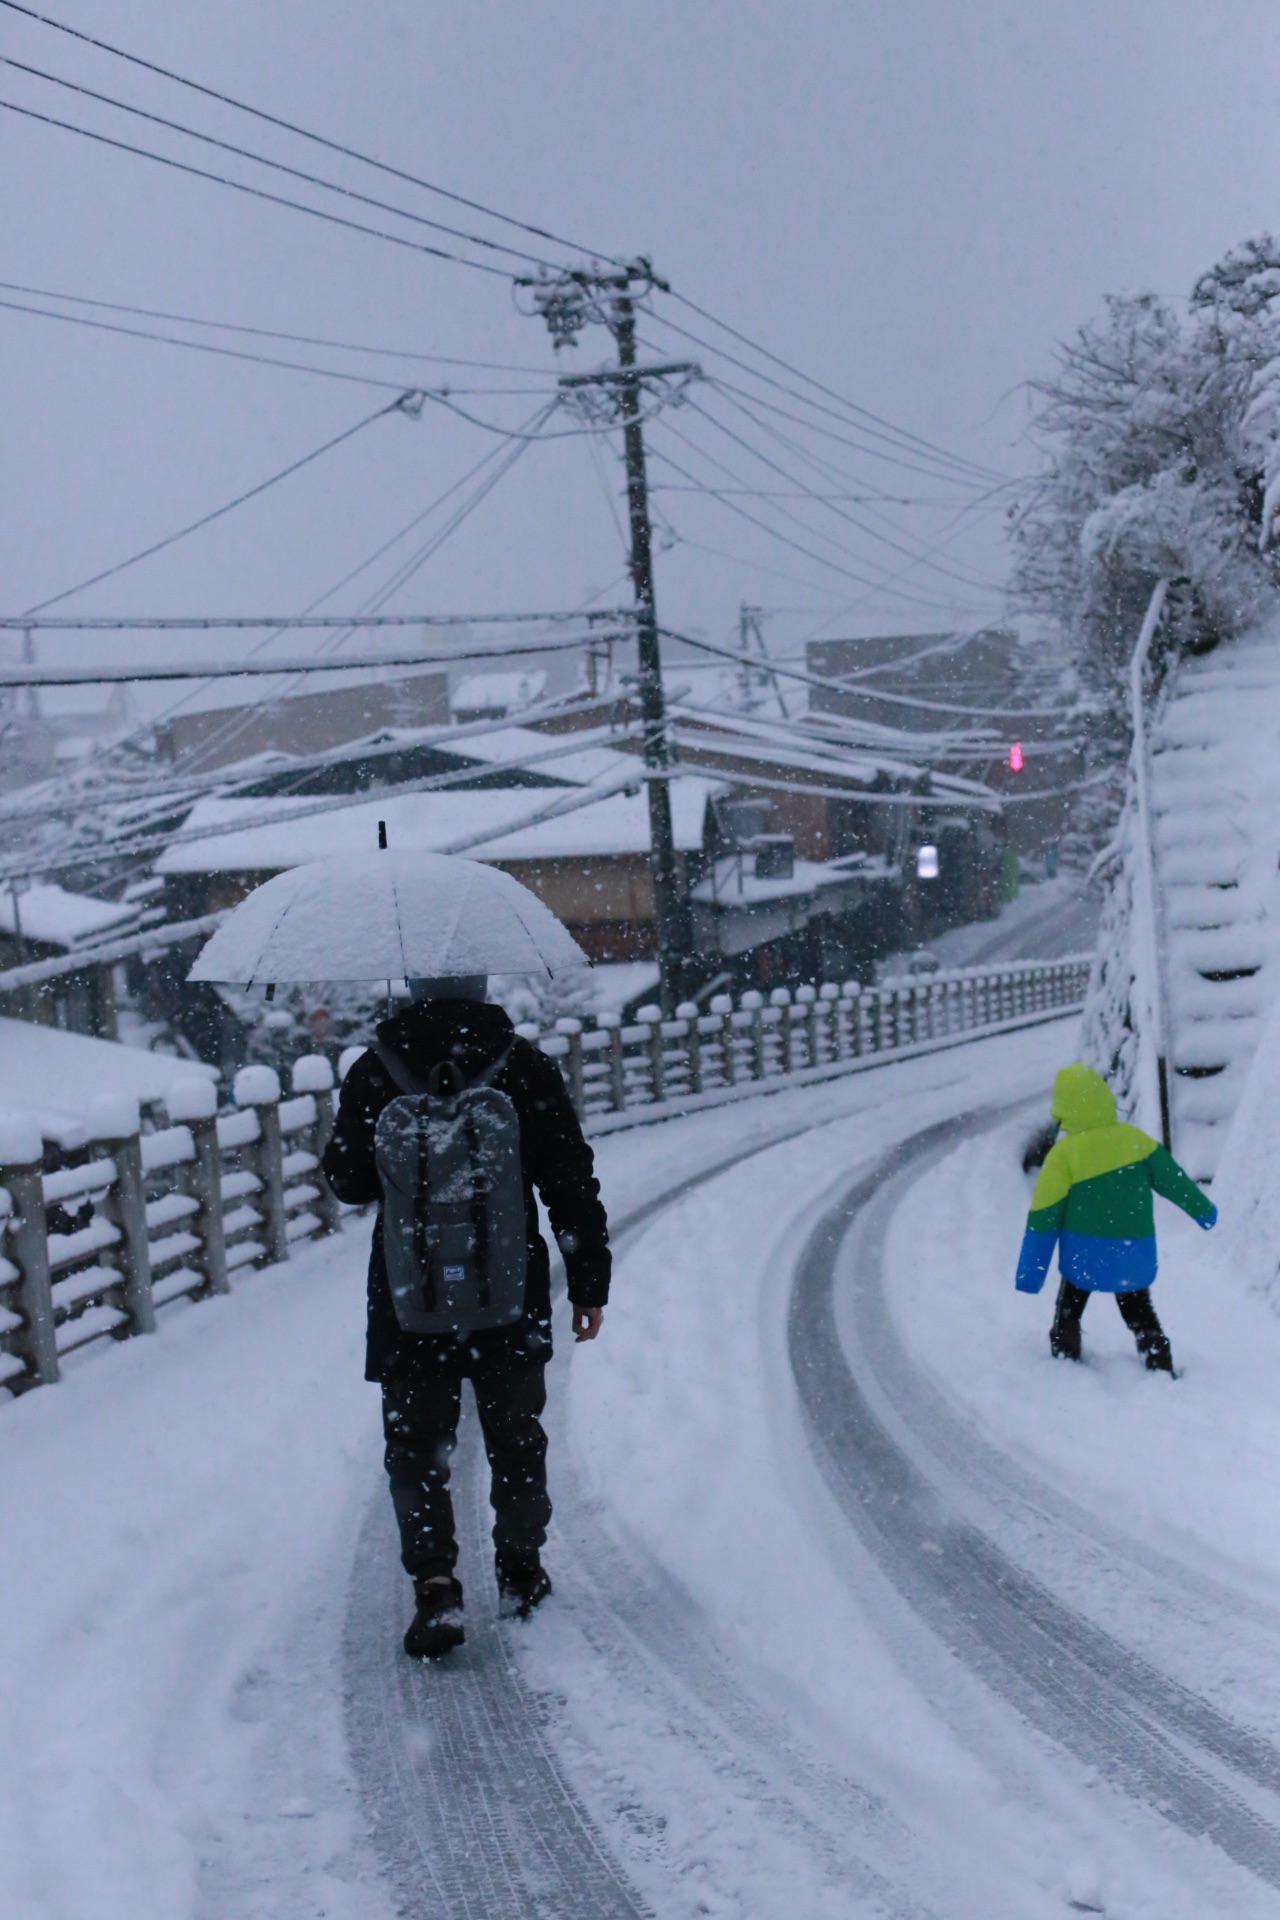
x: 882, y: 1439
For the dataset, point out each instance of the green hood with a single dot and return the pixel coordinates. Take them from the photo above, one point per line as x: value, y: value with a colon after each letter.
x: 1082, y: 1099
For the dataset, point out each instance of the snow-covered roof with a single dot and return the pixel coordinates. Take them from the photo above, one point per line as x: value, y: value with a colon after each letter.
x: 734, y: 882
x: 55, y: 1076
x: 433, y: 821
x: 497, y: 692
x: 56, y: 918
x: 549, y: 753
x: 618, y: 825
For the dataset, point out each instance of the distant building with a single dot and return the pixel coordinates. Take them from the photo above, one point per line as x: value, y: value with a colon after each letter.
x: 47, y: 923
x: 496, y: 696
x: 302, y: 723
x: 977, y: 686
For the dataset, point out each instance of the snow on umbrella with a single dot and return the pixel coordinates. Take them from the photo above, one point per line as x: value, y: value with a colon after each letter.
x: 397, y: 916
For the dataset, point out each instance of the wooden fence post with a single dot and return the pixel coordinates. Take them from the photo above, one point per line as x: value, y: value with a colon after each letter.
x: 259, y: 1088
x: 572, y: 1031
x: 781, y: 999
x: 829, y: 1008
x: 753, y: 1003
x: 612, y: 1024
x: 312, y: 1074
x: 688, y: 1012
x: 193, y: 1102
x: 34, y: 1342
x: 114, y: 1124
x: 722, y: 1007
x: 806, y: 1018
x: 651, y: 1017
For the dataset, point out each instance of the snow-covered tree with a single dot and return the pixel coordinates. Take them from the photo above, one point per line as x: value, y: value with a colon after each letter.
x: 1161, y: 435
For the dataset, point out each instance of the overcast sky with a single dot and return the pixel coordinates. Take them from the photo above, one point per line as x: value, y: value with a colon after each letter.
x: 908, y: 199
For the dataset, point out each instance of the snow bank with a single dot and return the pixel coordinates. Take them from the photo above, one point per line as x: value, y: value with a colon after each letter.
x: 1215, y: 796
x: 20, y: 1142
x: 54, y: 1076
x: 1247, y: 1187
x: 177, y: 1520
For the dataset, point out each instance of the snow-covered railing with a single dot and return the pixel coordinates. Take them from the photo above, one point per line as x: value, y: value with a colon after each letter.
x: 612, y: 1069
x: 94, y: 1250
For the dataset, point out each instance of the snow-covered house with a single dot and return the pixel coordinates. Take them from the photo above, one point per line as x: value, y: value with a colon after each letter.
x: 46, y: 922
x: 495, y: 696
x: 56, y: 1078
x: 585, y: 853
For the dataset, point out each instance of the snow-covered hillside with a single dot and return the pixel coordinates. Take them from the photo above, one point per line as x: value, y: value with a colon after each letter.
x: 1215, y: 777
x: 1215, y: 799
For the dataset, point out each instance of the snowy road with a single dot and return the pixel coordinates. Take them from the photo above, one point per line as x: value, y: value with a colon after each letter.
x: 893, y: 1453
x: 835, y: 1631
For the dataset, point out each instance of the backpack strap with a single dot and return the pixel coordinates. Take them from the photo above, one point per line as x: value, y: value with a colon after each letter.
x: 408, y: 1082
x: 396, y: 1070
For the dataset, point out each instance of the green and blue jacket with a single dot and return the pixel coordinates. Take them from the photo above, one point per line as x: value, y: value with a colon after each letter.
x: 1093, y: 1197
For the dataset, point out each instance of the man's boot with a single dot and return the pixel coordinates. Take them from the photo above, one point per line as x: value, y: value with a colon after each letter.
x: 523, y: 1584
x: 436, y: 1627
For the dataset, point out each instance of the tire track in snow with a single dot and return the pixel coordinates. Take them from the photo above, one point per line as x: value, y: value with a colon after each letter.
x: 1146, y: 1734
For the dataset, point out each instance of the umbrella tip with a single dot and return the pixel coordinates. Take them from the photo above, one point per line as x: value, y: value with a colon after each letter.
x: 382, y: 835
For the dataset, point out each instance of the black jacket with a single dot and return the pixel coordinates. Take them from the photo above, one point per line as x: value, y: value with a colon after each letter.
x: 557, y: 1161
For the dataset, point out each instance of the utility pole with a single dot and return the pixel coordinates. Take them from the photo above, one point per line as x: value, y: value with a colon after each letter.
x: 749, y: 629
x: 568, y: 302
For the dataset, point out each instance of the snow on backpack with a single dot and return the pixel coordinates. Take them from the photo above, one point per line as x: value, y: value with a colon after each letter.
x: 453, y: 1220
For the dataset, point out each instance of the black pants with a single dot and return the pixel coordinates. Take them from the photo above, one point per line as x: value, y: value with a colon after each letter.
x: 421, y: 1406
x: 1136, y: 1311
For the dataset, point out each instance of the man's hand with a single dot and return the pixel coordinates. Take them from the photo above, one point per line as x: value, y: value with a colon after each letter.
x: 586, y: 1322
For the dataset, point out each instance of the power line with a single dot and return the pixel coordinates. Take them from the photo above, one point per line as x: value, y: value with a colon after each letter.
x: 877, y: 420
x: 264, y: 160
x: 98, y: 674
x: 734, y: 507
x: 207, y: 519
x: 202, y: 346
x: 256, y: 193
x: 851, y: 519
x: 239, y: 623
x: 827, y: 685
x: 303, y: 133
x: 269, y: 333
x: 910, y: 464
x: 505, y: 461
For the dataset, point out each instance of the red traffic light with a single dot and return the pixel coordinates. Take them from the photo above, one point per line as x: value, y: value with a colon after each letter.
x: 1015, y: 757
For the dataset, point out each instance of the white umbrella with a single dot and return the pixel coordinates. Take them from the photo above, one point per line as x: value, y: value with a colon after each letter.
x: 393, y: 916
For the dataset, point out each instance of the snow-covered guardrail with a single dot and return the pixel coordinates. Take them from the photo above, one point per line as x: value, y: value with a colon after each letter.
x: 619, y: 1074
x: 91, y: 1251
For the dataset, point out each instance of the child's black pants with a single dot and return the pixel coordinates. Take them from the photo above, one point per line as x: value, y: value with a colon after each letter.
x: 1136, y: 1311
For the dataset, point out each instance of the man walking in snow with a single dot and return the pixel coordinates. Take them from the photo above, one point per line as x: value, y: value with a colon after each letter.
x: 448, y: 1025
x: 1093, y: 1201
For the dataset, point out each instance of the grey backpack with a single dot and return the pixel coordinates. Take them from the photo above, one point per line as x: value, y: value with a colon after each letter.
x: 453, y: 1219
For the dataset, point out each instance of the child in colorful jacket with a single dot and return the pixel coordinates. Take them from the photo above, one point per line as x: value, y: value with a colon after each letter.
x: 1093, y: 1200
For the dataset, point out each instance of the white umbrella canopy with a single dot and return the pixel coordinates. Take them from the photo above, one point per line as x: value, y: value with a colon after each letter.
x: 394, y: 916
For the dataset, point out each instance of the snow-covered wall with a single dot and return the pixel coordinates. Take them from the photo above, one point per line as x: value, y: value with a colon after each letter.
x: 1215, y: 795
